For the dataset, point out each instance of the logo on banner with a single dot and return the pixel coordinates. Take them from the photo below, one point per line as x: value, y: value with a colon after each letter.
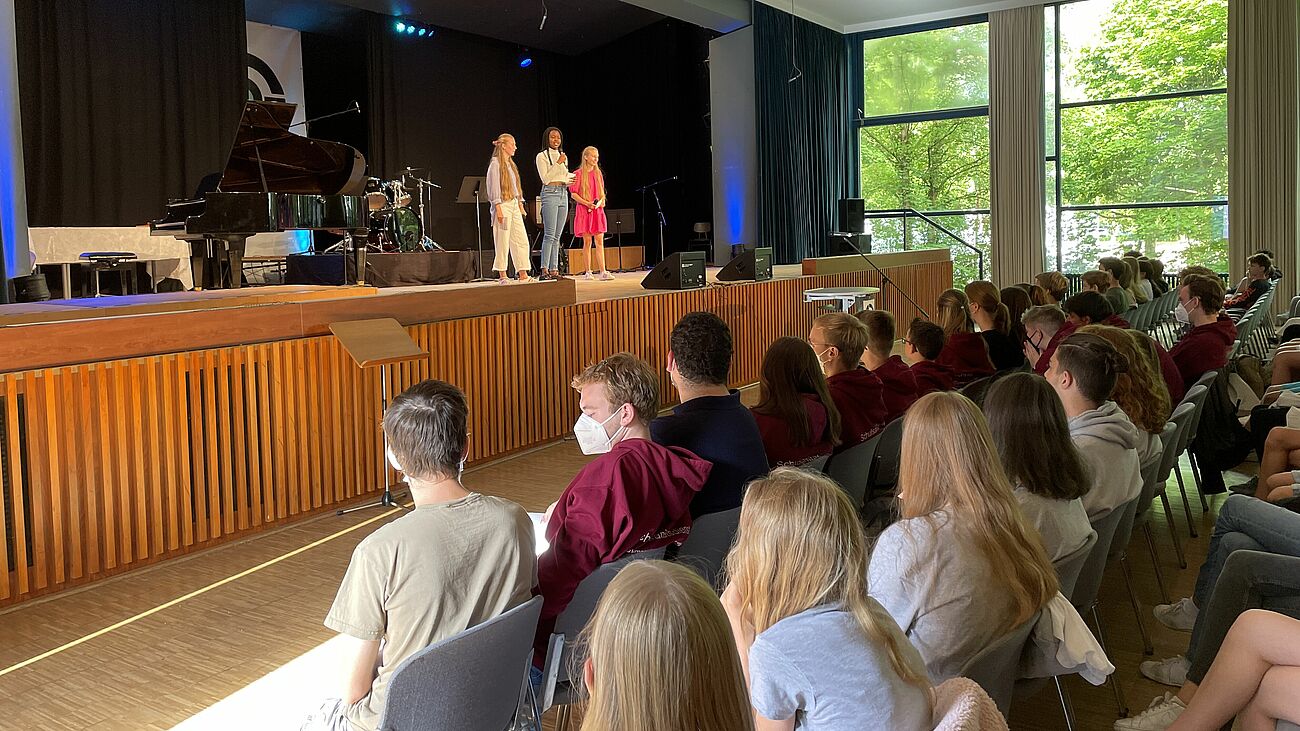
x: 275, y: 66
x: 263, y: 84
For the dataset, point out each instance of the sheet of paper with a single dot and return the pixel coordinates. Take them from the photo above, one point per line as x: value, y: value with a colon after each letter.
x: 539, y: 532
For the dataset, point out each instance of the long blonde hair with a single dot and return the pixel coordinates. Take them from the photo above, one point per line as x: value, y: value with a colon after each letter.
x: 586, y: 175
x: 509, y: 172
x: 949, y: 463
x: 801, y: 545
x: 1140, y: 390
x: 987, y: 296
x: 663, y: 655
x: 954, y: 313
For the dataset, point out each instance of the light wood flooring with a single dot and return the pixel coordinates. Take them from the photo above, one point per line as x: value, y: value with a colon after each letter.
x: 232, y: 637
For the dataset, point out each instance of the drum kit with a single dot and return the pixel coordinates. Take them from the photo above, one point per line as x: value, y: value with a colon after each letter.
x: 396, y: 225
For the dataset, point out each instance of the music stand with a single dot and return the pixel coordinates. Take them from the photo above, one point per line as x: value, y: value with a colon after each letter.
x: 621, y: 221
x: 370, y: 343
x: 471, y: 187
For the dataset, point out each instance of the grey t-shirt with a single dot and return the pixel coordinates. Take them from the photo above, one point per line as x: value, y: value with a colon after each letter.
x: 819, y: 667
x: 1063, y: 524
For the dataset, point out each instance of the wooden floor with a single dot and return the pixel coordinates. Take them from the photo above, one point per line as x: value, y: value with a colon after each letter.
x: 232, y: 637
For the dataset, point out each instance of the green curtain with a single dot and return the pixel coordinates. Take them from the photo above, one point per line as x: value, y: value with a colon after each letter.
x: 806, y: 156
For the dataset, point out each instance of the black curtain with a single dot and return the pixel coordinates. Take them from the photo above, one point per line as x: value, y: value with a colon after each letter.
x: 125, y: 104
x: 806, y: 155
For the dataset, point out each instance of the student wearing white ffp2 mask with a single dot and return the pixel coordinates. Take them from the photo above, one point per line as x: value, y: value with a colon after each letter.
x: 635, y: 496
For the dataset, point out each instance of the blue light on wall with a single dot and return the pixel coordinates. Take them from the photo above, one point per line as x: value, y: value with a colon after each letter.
x: 410, y: 28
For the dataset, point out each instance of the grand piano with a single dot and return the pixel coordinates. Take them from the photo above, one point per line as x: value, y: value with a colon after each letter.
x: 274, y: 180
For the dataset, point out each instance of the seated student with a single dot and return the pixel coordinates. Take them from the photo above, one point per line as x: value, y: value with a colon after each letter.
x: 661, y: 655
x: 1083, y: 372
x: 392, y: 592
x: 1045, y: 327
x: 1050, y: 477
x: 1139, y: 391
x: 839, y: 338
x: 1279, y: 465
x: 1256, y: 283
x: 1055, y: 286
x: 1158, y: 283
x: 1119, y: 279
x: 1018, y: 300
x: 923, y: 344
x: 964, y: 351
x: 710, y: 421
x: 994, y: 320
x: 1272, y: 274
x: 1205, y: 347
x: 1092, y: 308
x: 798, y: 597
x: 1143, y: 279
x: 1094, y: 280
x: 1134, y: 279
x: 635, y: 496
x: 795, y: 413
x: 961, y: 568
x: 897, y: 378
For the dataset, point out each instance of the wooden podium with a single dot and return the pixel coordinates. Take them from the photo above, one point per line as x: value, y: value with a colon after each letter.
x: 377, y: 344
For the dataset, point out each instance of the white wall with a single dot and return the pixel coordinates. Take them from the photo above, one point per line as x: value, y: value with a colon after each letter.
x: 732, y: 110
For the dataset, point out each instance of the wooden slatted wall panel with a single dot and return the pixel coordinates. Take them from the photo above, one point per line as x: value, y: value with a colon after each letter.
x: 112, y: 465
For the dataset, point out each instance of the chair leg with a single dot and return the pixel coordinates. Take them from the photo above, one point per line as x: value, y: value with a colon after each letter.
x: 1147, y: 649
x: 1196, y: 475
x: 1187, y: 505
x: 1155, y: 561
x: 1066, y: 707
x: 1173, y: 530
x: 1114, y: 682
x: 562, y: 719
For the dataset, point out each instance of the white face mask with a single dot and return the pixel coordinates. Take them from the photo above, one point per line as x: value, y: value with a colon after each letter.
x: 821, y: 362
x: 1181, y: 315
x: 591, y: 434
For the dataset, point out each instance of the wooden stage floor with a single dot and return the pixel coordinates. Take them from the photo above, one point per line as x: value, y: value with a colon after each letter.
x: 232, y: 637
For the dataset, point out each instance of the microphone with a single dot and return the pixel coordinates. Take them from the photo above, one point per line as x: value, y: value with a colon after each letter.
x: 543, y: 25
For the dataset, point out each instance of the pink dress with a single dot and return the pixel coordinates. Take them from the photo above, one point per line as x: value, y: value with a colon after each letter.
x: 587, y: 221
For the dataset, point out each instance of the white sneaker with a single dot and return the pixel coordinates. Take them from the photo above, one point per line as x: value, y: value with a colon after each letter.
x: 588, y: 277
x: 1158, y: 716
x: 1181, y: 615
x: 606, y: 277
x: 1170, y: 671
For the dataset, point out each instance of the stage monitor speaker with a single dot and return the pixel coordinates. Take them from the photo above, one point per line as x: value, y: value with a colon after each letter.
x: 751, y: 264
x: 682, y: 270
x: 853, y: 216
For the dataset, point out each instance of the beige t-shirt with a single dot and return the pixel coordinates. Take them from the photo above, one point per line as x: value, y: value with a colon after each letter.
x: 429, y: 575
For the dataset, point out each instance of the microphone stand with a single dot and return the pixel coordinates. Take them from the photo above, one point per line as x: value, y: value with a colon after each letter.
x: 356, y: 107
x: 659, y: 209
x: 422, y: 183
x: 884, y: 278
x: 478, y: 229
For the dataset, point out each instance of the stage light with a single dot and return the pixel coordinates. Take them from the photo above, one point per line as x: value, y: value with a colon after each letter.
x: 401, y: 27
x: 422, y: 32
x: 525, y: 59
x: 410, y: 29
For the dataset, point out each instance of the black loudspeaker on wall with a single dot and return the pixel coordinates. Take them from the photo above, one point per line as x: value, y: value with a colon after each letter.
x: 682, y: 270
x: 751, y: 264
x: 852, y: 216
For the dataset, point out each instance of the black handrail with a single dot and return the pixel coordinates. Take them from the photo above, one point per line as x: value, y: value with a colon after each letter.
x: 896, y: 212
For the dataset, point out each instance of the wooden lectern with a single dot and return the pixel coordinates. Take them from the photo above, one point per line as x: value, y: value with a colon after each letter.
x: 380, y: 343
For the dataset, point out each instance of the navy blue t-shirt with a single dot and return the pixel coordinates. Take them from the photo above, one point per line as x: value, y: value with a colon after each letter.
x: 722, y: 431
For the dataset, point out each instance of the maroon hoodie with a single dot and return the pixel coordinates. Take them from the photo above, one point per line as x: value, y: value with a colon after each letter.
x: 1173, y: 379
x: 778, y: 435
x: 636, y: 497
x: 1045, y: 359
x: 931, y: 376
x: 968, y: 356
x: 1117, y: 321
x: 900, y: 386
x: 1203, y: 349
x: 860, y: 398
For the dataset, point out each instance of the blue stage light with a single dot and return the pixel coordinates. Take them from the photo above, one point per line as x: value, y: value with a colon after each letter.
x: 526, y: 61
x: 401, y: 26
x: 422, y: 32
x: 410, y: 29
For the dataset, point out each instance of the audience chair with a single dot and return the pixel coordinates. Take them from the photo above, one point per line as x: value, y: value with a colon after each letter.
x: 562, y: 671
x: 996, y: 667
x: 816, y: 464
x: 1207, y: 380
x: 1287, y: 726
x: 1196, y: 397
x: 1151, y: 485
x: 1084, y: 597
x: 884, y: 468
x: 1182, y: 420
x: 852, y: 468
x: 471, y: 680
x: 1069, y: 566
x: 708, y: 543
x: 1119, y: 553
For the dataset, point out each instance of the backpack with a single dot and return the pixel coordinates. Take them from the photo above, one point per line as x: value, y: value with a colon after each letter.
x: 1221, y: 441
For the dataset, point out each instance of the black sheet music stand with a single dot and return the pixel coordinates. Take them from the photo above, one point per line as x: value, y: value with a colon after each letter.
x: 472, y: 190
x: 620, y: 221
x: 377, y: 343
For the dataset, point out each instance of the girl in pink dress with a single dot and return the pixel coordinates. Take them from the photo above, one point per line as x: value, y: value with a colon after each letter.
x: 588, y: 191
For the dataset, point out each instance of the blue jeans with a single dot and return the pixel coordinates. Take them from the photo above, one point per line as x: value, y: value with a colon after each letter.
x: 555, y: 212
x: 1250, y: 580
x: 1244, y: 524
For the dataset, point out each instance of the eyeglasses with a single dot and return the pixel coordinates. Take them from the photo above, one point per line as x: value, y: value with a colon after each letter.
x: 905, y: 341
x: 1035, y: 345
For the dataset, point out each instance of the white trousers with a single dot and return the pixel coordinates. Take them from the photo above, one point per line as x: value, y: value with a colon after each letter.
x: 511, y: 237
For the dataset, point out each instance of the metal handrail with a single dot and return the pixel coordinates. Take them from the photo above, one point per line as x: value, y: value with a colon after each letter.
x: 896, y: 212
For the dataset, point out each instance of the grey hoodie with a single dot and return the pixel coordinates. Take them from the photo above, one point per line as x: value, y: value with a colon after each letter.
x: 1109, y: 443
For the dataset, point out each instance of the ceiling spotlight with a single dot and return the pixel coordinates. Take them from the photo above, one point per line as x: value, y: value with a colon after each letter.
x: 406, y: 27
x: 401, y: 27
x: 525, y: 59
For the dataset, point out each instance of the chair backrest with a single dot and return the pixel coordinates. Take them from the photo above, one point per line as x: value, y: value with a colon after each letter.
x: 995, y: 667
x: 1182, y: 419
x: 471, y: 680
x: 1069, y: 566
x: 816, y: 464
x: 1196, y: 397
x: 708, y: 543
x: 1153, y: 470
x: 1089, y: 583
x: 851, y: 468
x: 884, y: 468
x: 1123, y: 529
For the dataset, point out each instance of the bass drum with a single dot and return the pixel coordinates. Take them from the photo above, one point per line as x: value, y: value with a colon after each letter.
x: 406, y: 230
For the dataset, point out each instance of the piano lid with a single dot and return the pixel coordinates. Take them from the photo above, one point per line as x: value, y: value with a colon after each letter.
x: 291, y: 163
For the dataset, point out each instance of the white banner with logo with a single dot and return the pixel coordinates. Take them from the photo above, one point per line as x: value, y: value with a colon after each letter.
x: 275, y: 66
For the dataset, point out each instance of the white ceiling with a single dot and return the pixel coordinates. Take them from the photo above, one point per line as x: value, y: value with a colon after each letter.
x: 852, y: 16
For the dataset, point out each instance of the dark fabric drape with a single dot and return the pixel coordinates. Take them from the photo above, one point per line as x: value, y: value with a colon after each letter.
x: 806, y: 156
x: 125, y: 104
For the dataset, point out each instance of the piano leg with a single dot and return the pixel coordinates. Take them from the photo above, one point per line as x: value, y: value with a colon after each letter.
x: 359, y: 252
x: 200, y: 254
x: 235, y: 258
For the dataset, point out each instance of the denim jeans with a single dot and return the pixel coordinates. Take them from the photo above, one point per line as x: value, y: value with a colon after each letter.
x: 1250, y: 580
x: 555, y: 212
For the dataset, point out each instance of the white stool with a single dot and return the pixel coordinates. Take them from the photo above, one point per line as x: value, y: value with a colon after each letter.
x: 850, y: 299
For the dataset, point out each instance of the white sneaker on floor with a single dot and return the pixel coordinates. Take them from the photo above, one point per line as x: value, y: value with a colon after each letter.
x: 1170, y: 671
x: 588, y: 277
x: 1181, y: 615
x: 1158, y: 716
x: 606, y: 277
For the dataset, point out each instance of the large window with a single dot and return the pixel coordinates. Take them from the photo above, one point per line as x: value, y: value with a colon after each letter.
x: 923, y: 140
x: 1137, y: 131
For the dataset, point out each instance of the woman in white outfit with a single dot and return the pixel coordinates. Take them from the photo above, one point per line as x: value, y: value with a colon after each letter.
x: 504, y: 191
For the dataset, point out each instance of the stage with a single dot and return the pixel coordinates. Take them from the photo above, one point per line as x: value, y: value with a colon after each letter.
x: 136, y: 429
